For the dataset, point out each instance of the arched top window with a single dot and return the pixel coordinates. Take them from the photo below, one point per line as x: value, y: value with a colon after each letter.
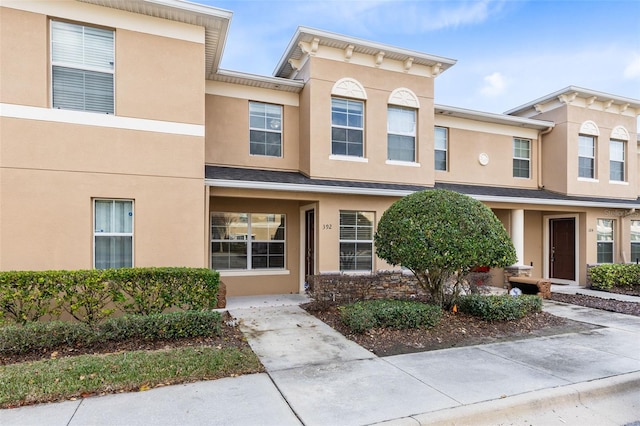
x: 404, y: 97
x: 620, y: 133
x: 350, y: 88
x: 589, y: 128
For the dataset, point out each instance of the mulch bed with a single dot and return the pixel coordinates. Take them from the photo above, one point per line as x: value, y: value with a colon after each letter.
x: 454, y: 330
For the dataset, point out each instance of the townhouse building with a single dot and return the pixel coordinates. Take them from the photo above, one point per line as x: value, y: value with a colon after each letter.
x: 123, y: 143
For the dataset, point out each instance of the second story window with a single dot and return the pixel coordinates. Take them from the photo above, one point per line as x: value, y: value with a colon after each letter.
x: 265, y: 129
x: 521, y: 158
x: 616, y: 160
x: 587, y: 156
x: 347, y: 127
x: 441, y: 147
x: 82, y: 67
x: 401, y: 134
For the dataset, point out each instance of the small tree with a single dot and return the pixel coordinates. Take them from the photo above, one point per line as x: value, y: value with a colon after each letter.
x: 440, y: 235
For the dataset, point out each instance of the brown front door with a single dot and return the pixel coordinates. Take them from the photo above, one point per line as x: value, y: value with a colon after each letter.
x: 562, y: 250
x: 309, y: 243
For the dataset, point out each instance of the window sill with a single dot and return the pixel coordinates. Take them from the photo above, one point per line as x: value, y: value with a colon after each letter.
x: 402, y: 163
x: 618, y: 182
x: 583, y: 179
x: 348, y: 158
x: 253, y: 272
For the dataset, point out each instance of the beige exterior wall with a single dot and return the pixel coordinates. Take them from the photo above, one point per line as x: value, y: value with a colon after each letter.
x: 227, y: 131
x: 24, y: 58
x: 379, y: 84
x: 468, y: 139
x: 54, y: 163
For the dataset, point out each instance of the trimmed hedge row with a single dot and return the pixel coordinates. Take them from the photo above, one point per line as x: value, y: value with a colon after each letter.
x: 499, y: 308
x: 90, y: 296
x: 609, y: 275
x: 397, y: 314
x: 36, y: 336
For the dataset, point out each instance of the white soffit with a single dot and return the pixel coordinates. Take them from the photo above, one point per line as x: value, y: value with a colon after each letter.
x: 570, y: 93
x: 215, y: 21
x: 489, y: 117
x: 355, y: 45
x: 253, y: 80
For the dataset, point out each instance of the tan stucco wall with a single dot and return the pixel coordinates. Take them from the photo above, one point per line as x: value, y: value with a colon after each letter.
x: 159, y: 78
x: 47, y: 218
x: 227, y: 135
x: 378, y: 84
x: 465, y: 146
x: 24, y: 58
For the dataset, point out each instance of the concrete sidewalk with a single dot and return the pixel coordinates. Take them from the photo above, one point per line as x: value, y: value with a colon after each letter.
x: 315, y: 376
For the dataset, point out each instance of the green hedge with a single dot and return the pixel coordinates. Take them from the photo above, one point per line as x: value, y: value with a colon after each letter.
x: 499, y: 308
x: 35, y: 336
x: 90, y: 296
x: 396, y: 314
x: 609, y: 275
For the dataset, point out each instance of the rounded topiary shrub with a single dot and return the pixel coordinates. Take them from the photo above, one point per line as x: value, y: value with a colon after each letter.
x: 441, y: 236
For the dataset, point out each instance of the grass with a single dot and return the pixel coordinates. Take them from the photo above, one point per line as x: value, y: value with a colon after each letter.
x: 85, y: 375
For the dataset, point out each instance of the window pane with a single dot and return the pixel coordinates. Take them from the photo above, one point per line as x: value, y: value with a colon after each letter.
x: 440, y: 160
x: 635, y: 252
x: 586, y: 146
x: 401, y: 121
x: 616, y: 150
x: 585, y: 167
x: 440, y: 138
x: 113, y: 252
x: 265, y: 129
x: 616, y: 171
x: 605, y: 229
x: 635, y: 230
x: 356, y: 235
x: 520, y: 168
x: 605, y: 252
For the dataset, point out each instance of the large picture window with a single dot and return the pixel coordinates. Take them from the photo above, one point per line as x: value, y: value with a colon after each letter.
x: 113, y: 234
x: 587, y: 156
x: 521, y: 158
x: 247, y: 241
x: 347, y: 127
x: 356, y: 240
x: 635, y: 240
x: 265, y: 129
x: 605, y: 240
x: 401, y: 134
x: 441, y: 142
x: 616, y: 160
x: 82, y: 67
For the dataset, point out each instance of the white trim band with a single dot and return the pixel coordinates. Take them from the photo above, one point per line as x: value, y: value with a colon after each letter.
x: 99, y: 120
x: 325, y: 189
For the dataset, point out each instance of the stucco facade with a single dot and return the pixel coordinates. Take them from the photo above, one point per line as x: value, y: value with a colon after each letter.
x: 271, y: 178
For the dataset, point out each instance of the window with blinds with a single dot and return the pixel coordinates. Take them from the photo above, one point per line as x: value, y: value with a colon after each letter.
x: 82, y: 67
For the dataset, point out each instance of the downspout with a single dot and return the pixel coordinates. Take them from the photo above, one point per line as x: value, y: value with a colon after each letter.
x: 539, y: 165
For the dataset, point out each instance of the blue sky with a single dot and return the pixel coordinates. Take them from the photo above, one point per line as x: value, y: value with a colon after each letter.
x: 509, y: 52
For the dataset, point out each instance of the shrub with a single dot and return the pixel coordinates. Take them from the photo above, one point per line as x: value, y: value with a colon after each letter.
x: 44, y: 336
x: 499, y: 308
x: 27, y: 295
x: 90, y: 296
x: 440, y: 236
x: 609, y: 275
x: 396, y: 314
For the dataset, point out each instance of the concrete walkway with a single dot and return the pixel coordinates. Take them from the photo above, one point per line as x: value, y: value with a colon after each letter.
x: 315, y: 376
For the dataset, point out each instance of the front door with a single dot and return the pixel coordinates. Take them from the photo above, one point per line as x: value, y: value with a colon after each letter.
x: 562, y: 248
x: 309, y: 243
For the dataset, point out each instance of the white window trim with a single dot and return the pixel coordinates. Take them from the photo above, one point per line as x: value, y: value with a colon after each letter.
x: 446, y: 150
x: 348, y: 158
x: 624, y: 161
x: 114, y: 234
x: 250, y: 270
x: 340, y: 240
x: 528, y: 159
x: 280, y: 132
x: 612, y: 242
x: 594, y: 138
x: 592, y: 180
x: 53, y: 63
x: 412, y: 134
x: 402, y: 163
x: 344, y: 157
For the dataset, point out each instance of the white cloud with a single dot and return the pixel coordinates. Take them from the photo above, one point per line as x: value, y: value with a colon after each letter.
x: 632, y: 70
x: 495, y: 84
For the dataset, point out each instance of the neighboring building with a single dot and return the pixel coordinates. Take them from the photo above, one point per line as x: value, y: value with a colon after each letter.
x: 123, y: 143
